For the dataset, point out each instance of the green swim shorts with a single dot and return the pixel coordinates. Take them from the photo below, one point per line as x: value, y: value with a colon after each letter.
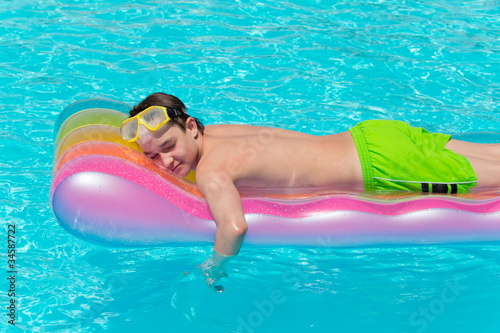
x: 396, y: 156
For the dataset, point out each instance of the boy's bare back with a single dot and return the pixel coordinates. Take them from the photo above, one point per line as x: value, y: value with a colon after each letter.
x: 263, y: 157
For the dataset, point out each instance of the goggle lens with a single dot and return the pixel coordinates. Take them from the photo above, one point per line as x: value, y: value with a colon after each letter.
x: 152, y: 118
x: 129, y: 128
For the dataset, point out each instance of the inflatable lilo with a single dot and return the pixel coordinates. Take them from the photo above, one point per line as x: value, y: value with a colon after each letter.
x: 106, y: 191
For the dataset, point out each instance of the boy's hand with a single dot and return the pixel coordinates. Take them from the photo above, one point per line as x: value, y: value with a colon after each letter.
x: 213, y: 274
x: 214, y: 269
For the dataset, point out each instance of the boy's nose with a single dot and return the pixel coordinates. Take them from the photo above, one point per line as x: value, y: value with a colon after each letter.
x: 167, y: 161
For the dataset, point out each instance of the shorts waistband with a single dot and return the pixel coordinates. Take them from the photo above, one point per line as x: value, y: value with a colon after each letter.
x: 364, y: 157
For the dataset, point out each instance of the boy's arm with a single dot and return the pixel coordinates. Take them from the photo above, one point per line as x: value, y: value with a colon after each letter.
x: 225, y: 204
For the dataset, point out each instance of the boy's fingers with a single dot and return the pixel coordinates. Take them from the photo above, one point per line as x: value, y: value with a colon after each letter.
x: 219, y: 289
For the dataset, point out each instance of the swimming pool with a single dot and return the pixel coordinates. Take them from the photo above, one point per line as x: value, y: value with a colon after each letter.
x: 312, y: 66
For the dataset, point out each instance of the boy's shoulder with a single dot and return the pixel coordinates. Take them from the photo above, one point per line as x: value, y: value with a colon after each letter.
x: 233, y: 128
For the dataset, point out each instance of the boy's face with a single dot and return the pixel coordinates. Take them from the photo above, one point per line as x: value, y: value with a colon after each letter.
x: 172, y: 148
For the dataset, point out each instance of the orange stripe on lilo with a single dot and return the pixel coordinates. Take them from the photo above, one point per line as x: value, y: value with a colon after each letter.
x: 124, y: 153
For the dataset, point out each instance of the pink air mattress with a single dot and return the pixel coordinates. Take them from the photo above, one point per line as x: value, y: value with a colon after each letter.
x: 104, y: 190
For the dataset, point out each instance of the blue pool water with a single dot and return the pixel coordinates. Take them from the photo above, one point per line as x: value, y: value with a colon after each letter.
x: 314, y: 66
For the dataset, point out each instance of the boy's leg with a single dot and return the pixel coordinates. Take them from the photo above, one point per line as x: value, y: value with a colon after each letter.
x: 487, y: 172
x: 484, y: 158
x: 479, y: 150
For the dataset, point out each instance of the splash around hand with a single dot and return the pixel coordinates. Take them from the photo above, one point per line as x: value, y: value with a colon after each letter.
x: 214, y: 269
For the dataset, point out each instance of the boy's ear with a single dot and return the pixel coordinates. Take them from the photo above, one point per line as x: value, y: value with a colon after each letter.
x: 192, y: 127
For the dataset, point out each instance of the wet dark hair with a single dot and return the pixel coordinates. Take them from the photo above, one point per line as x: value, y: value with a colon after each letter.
x: 170, y: 102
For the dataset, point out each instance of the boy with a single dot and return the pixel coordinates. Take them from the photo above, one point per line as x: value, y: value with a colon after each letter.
x: 373, y: 155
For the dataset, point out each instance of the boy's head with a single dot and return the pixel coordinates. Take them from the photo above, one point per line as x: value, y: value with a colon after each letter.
x: 165, y: 132
x: 171, y: 102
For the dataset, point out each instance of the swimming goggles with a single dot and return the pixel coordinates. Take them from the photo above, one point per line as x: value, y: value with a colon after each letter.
x: 152, y: 118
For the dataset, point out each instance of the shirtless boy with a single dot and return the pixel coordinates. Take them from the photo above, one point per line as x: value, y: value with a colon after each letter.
x: 372, y: 156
